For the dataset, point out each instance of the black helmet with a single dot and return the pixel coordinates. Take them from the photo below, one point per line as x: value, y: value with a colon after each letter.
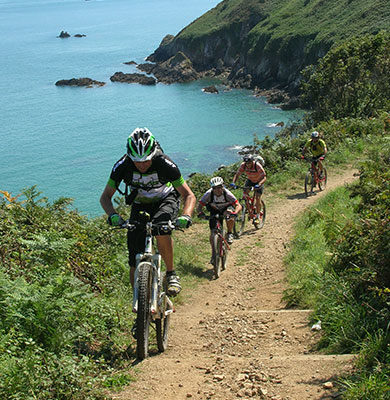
x: 141, y: 145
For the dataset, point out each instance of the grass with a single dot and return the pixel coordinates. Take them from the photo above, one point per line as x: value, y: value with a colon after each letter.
x: 309, y: 251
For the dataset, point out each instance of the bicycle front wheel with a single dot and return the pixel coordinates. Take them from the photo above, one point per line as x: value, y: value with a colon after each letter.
x: 217, y: 257
x: 262, y: 215
x: 162, y: 324
x: 239, y: 224
x: 224, y: 255
x: 143, y: 313
x: 322, y: 182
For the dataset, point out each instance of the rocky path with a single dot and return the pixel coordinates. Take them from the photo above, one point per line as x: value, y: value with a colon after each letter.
x: 234, y: 338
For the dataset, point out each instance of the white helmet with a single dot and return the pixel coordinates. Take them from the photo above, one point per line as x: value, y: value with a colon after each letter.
x: 315, y: 135
x: 216, y: 181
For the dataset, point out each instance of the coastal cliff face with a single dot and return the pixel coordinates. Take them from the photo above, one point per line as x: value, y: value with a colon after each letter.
x: 266, y: 43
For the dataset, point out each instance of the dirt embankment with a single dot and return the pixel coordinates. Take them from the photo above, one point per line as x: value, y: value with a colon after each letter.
x: 234, y: 338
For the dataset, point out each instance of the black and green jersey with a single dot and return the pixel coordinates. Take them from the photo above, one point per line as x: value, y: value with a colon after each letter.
x: 155, y: 184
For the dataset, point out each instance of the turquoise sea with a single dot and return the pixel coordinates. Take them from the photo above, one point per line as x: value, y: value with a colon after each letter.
x: 65, y: 140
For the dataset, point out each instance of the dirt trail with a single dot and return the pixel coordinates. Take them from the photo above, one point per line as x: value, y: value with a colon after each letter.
x: 234, y: 338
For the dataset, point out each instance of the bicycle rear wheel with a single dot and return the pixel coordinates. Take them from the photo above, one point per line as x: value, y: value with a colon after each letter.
x: 217, y: 257
x: 239, y: 224
x: 322, y: 182
x: 309, y: 182
x: 143, y: 313
x: 162, y: 324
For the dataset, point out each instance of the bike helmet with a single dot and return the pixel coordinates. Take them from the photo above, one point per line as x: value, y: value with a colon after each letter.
x: 248, y: 157
x: 216, y: 181
x: 141, y: 145
x: 315, y: 135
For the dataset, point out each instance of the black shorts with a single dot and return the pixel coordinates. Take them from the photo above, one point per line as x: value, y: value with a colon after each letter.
x: 259, y: 190
x: 213, y: 211
x: 167, y: 209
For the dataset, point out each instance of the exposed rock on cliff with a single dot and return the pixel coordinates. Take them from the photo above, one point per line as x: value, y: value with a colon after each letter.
x: 133, y: 78
x: 178, y: 68
x: 88, y: 82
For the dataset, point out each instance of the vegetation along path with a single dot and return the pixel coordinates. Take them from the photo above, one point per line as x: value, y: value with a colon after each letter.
x: 234, y: 338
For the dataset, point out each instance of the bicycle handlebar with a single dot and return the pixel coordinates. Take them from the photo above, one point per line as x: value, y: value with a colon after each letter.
x: 167, y: 226
x: 248, y: 187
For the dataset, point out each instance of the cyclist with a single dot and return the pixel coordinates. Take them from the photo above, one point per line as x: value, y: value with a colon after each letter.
x: 156, y: 185
x: 219, y: 200
x: 317, y: 148
x: 256, y: 177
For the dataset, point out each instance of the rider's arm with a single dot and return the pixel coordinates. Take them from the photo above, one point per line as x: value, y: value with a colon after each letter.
x: 106, y: 200
x: 238, y: 173
x: 325, y: 148
x: 237, y: 207
x: 188, y: 197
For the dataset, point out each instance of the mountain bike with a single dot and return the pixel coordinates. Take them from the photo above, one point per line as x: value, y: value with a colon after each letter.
x: 313, y: 178
x: 248, y: 203
x: 150, y: 299
x: 219, y: 243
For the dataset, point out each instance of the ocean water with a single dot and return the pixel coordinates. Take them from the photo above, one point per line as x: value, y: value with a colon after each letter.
x: 65, y: 140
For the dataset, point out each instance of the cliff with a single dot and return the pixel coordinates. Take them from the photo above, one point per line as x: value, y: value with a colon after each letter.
x: 266, y: 43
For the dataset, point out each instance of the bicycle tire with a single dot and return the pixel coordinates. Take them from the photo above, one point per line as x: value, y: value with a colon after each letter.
x: 308, y: 183
x: 322, y: 183
x: 261, y: 222
x: 224, y: 256
x: 162, y: 324
x: 217, y: 256
x: 143, y: 313
x: 240, y: 221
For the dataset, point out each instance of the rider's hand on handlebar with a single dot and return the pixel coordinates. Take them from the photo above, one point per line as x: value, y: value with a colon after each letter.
x: 184, y: 221
x: 233, y: 185
x: 115, y: 219
x: 232, y: 215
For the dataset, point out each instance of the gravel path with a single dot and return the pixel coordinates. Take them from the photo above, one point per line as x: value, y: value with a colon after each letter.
x: 234, y: 338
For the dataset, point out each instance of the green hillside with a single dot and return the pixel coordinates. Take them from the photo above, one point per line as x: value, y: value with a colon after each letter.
x: 269, y: 41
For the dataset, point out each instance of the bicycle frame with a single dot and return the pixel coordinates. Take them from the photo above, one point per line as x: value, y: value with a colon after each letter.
x: 219, y: 230
x: 312, y: 178
x: 250, y: 200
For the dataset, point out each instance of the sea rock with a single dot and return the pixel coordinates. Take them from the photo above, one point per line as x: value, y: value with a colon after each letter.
x: 130, y: 63
x: 210, y: 89
x: 133, y: 78
x: 88, y: 82
x: 178, y: 68
x: 63, y: 35
x: 79, y: 35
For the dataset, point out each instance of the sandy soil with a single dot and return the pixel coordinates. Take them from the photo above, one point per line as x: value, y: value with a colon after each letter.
x: 234, y: 338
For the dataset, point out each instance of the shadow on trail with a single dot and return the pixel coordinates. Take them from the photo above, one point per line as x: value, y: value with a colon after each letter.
x: 297, y: 196
x: 188, y: 268
x: 332, y: 393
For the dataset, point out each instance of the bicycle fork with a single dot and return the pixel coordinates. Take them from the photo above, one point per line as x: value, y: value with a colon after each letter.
x: 155, y: 303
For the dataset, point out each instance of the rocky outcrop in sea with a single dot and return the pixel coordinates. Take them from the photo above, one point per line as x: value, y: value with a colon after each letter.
x: 87, y: 82
x: 133, y: 78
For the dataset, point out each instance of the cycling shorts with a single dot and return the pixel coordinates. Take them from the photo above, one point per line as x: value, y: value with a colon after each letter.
x: 165, y: 210
x: 222, y: 213
x: 259, y: 190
